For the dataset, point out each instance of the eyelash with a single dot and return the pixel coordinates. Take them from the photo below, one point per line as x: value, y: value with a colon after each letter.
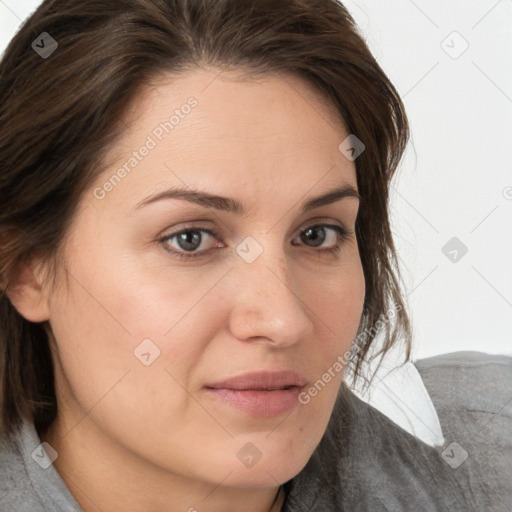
x: 343, y: 235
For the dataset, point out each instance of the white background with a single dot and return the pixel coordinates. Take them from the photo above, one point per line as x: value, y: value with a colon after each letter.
x: 454, y: 177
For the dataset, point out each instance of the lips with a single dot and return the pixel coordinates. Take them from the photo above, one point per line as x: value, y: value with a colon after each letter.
x: 260, y: 393
x: 262, y: 381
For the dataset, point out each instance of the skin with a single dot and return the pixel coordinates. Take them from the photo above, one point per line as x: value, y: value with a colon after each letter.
x: 149, y: 438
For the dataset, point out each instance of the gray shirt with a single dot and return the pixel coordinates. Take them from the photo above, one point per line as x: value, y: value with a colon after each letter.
x: 365, y: 462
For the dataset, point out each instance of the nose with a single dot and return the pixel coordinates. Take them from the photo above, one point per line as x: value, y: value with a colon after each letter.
x: 268, y: 308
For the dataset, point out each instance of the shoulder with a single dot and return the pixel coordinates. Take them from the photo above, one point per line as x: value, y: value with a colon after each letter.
x: 17, y: 492
x: 13, y: 477
x: 469, y: 381
x: 466, y: 359
x: 472, y: 394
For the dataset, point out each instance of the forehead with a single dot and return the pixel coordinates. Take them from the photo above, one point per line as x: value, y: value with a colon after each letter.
x: 218, y: 131
x: 221, y: 92
x: 235, y: 111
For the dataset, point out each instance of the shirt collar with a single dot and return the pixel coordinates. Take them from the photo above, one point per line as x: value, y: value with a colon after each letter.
x: 397, y: 391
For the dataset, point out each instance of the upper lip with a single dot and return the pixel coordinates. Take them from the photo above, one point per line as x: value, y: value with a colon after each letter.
x: 263, y: 380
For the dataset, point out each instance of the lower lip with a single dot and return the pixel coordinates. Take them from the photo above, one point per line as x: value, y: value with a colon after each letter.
x: 258, y: 402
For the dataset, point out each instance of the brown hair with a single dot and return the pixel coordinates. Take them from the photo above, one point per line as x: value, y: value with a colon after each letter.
x: 60, y: 115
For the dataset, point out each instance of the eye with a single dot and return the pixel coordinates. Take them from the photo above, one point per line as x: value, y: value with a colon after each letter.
x: 318, y: 234
x: 190, y: 242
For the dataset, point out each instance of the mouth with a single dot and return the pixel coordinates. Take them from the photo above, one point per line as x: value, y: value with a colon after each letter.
x: 264, y: 394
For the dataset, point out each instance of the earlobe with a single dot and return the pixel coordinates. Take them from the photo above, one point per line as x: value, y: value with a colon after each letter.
x: 26, y: 294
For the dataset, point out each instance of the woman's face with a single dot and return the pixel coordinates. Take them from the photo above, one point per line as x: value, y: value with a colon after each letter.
x: 169, y: 348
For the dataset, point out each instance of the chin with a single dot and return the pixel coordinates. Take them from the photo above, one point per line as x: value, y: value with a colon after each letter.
x: 266, y: 475
x: 261, y: 464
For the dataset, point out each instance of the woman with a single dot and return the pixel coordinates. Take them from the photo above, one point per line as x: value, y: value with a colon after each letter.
x: 194, y: 233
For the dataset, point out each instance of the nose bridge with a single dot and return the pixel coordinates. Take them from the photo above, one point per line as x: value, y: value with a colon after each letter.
x: 267, y: 306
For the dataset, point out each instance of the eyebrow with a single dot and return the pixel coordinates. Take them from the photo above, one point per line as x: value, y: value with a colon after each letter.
x: 230, y: 205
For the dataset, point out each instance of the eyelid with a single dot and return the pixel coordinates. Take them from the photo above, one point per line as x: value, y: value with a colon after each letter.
x: 195, y: 225
x: 322, y: 221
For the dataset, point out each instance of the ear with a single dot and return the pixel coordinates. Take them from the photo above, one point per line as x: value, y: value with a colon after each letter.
x: 26, y: 293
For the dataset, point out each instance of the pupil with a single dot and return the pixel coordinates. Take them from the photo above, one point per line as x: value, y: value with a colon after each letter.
x: 309, y: 235
x: 190, y: 240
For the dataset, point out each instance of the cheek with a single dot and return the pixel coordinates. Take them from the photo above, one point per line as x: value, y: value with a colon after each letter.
x: 336, y: 301
x: 128, y: 344
x: 338, y: 305
x: 138, y: 399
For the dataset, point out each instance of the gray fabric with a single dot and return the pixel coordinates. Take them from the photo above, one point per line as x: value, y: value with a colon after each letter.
x: 24, y: 485
x: 367, y: 463
x: 364, y: 462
